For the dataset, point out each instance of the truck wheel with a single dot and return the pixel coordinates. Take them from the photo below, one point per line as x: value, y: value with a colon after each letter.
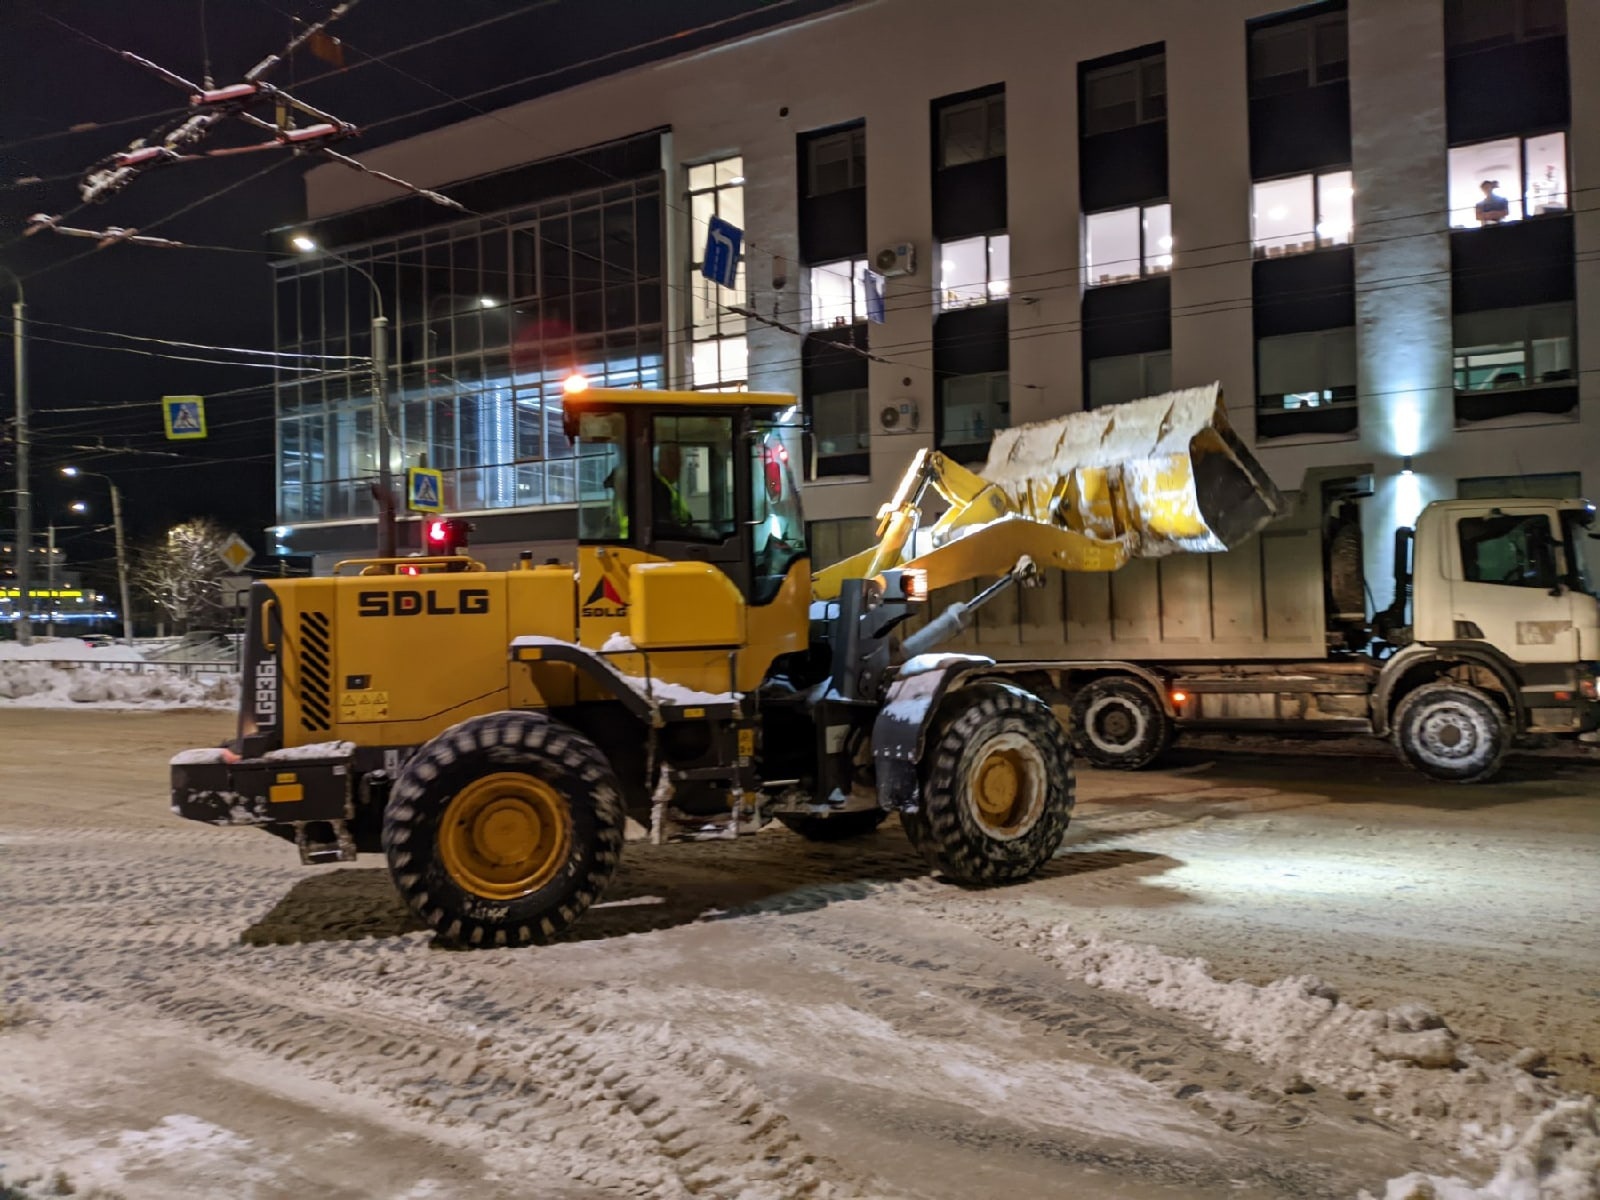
x: 1452, y: 732
x: 997, y: 787
x: 834, y: 828
x: 504, y: 829
x: 1118, y: 723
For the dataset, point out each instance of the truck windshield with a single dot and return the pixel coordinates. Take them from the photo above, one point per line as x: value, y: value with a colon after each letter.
x: 1581, y: 549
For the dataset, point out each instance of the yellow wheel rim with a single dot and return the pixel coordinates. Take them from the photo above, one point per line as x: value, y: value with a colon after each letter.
x: 505, y: 835
x: 1008, y: 786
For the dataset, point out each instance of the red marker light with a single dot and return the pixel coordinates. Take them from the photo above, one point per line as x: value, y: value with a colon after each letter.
x: 1180, y: 697
x: 438, y: 531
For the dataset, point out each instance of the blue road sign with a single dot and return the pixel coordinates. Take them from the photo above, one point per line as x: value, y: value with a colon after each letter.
x: 424, y: 490
x: 721, y: 263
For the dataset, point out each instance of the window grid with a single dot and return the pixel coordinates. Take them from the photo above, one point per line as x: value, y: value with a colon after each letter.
x: 838, y: 293
x: 1515, y: 349
x: 840, y: 431
x: 1299, y: 54
x: 1125, y: 95
x: 1124, y: 244
x: 974, y: 271
x: 718, y: 345
x: 1315, y: 370
x: 972, y: 408
x: 1529, y: 174
x: 1301, y: 213
x: 972, y: 130
x: 1472, y: 25
x: 836, y: 162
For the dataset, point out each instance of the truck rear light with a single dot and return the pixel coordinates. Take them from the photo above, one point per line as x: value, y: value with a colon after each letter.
x: 1588, y: 690
x: 1179, y: 698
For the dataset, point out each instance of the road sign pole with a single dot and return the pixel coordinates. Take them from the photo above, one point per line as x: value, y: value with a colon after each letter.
x: 122, y: 565
x: 380, y: 401
x: 24, y: 539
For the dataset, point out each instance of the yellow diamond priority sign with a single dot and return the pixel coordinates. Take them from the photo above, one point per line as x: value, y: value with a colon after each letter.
x: 236, y: 552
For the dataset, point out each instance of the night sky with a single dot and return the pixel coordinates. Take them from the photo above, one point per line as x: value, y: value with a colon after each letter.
x: 53, y: 78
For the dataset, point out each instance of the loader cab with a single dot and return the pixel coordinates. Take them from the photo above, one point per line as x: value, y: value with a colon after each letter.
x: 690, y: 477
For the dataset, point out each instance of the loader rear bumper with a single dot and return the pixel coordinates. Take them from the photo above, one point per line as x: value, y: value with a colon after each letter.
x: 263, y: 791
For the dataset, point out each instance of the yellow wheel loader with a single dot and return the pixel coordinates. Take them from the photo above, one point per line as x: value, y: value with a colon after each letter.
x: 490, y: 731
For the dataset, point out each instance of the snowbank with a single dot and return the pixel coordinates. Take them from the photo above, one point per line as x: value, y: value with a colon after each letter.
x: 66, y: 650
x: 1405, y: 1061
x: 39, y: 685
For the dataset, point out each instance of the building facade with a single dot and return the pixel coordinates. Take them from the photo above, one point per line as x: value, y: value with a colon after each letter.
x: 1375, y: 222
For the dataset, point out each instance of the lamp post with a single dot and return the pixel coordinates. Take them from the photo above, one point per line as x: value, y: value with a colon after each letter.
x: 122, y: 548
x: 380, y: 393
x: 24, y: 496
x: 77, y: 506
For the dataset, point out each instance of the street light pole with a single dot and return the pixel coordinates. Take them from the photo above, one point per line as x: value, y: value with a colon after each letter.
x: 24, y: 496
x: 380, y: 394
x: 122, y: 564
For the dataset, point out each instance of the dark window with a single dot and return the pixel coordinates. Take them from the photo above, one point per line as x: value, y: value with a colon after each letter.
x: 836, y: 162
x: 972, y: 130
x: 1125, y: 95
x: 1481, y: 24
x: 1293, y: 55
x: 1515, y: 348
x: 1514, y: 550
x: 841, y: 438
x: 1128, y: 377
x: 1560, y: 486
x: 1304, y: 372
x: 972, y: 408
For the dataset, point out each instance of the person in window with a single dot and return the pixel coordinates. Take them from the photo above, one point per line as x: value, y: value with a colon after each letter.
x: 1494, y: 207
x: 672, y: 515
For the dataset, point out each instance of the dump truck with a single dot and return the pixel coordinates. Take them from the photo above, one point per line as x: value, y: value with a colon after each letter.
x: 490, y: 732
x: 1492, y: 636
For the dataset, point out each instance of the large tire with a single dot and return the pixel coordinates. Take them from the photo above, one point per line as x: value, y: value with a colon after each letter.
x: 502, y: 830
x: 1118, y: 723
x: 1452, y: 732
x: 1347, y: 581
x: 835, y: 828
x: 997, y: 787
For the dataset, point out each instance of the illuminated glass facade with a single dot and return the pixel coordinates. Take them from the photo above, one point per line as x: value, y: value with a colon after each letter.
x: 486, y: 318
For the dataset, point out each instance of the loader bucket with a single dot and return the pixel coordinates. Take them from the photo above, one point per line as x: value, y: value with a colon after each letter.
x: 1163, y: 475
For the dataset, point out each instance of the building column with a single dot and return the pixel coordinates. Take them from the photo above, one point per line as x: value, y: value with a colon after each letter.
x: 1208, y: 157
x: 1402, y: 262
x: 1583, y: 145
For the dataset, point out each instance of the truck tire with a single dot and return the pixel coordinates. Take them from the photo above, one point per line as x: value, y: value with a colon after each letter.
x: 997, y: 787
x: 835, y: 828
x: 1118, y: 723
x: 1347, y: 584
x: 1452, y: 732
x: 502, y: 830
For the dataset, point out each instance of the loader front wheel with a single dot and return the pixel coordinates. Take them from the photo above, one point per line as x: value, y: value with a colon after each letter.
x: 504, y: 829
x: 997, y: 787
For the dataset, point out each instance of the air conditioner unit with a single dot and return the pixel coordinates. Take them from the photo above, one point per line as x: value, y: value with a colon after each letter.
x: 900, y: 259
x: 899, y: 416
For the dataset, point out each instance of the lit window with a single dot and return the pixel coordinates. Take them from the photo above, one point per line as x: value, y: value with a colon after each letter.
x: 1125, y: 95
x: 836, y: 162
x: 1303, y: 212
x: 973, y: 407
x: 840, y: 434
x: 1306, y: 370
x: 1514, y: 348
x: 1492, y: 183
x: 974, y: 270
x: 1124, y: 377
x: 838, y: 293
x: 718, y: 351
x: 972, y: 131
x: 1127, y: 243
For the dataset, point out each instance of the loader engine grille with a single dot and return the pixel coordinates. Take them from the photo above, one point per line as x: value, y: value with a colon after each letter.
x: 316, y: 706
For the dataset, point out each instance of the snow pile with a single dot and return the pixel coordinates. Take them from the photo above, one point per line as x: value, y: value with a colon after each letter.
x: 618, y: 643
x: 663, y: 692
x: 39, y: 685
x: 1405, y: 1061
x: 47, y: 649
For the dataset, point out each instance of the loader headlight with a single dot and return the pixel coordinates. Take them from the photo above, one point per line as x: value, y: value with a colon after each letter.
x: 915, y: 582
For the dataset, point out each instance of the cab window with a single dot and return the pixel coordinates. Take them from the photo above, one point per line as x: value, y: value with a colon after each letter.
x: 777, y: 525
x: 691, y: 486
x: 1514, y: 550
x: 602, y: 478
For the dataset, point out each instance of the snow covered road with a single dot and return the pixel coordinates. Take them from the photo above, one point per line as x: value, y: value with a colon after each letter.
x: 187, y: 1012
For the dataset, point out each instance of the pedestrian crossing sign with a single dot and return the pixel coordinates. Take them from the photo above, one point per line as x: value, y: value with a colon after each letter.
x: 424, y: 490
x: 185, y: 417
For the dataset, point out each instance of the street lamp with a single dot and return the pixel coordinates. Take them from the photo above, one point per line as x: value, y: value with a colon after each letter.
x: 79, y: 507
x: 24, y: 496
x: 122, y: 549
x: 380, y: 392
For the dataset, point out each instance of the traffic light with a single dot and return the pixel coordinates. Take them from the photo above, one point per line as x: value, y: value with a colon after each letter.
x: 444, y: 536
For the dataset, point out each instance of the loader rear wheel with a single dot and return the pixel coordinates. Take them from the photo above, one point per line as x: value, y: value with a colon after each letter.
x: 997, y: 787
x: 1118, y: 723
x: 1452, y: 732
x: 504, y: 829
x: 834, y: 828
